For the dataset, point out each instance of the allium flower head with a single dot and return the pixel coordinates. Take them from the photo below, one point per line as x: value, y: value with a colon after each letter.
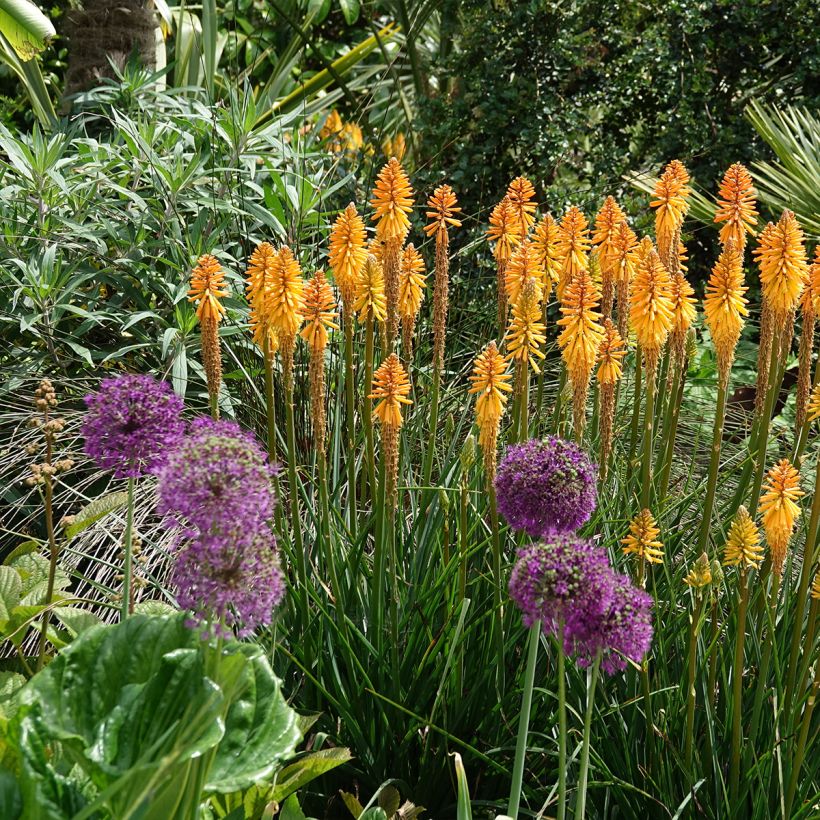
x: 347, y: 251
x: 504, y: 230
x: 701, y: 573
x: 643, y: 538
x: 319, y: 312
x: 131, y: 424
x: 725, y: 306
x: 736, y: 206
x: 651, y: 307
x: 671, y: 195
x: 779, y: 509
x: 565, y: 579
x: 522, y: 266
x: 391, y: 386
x: 610, y: 354
x: 573, y: 245
x: 207, y: 288
x: 218, y: 481
x: 443, y: 207
x: 522, y: 197
x: 285, y: 299
x: 392, y: 201
x: 742, y: 547
x: 783, y: 267
x: 412, y: 282
x: 527, y: 334
x: 490, y: 383
x: 370, y: 300
x: 546, y: 487
x: 547, y: 253
x: 623, y: 632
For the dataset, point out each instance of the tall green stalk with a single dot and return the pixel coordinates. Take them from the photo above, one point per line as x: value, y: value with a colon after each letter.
x: 562, y: 725
x: 367, y: 411
x: 523, y: 424
x: 800, y: 751
x: 524, y: 722
x: 498, y: 583
x: 714, y: 465
x: 763, y: 680
x: 270, y: 413
x: 694, y: 630
x: 128, y: 546
x: 48, y: 504
x: 583, y: 774
x: 350, y: 424
x: 670, y: 433
x: 293, y: 492
x: 646, y: 464
x: 431, y: 442
x: 636, y: 405
x: 737, y: 687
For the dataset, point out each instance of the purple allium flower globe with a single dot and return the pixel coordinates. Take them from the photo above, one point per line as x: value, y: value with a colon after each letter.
x: 623, y: 630
x: 131, y: 424
x: 565, y: 579
x: 217, y: 486
x: 546, y: 487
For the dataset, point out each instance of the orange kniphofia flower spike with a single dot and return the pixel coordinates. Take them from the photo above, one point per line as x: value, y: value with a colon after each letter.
x: 392, y: 201
x: 573, y: 245
x: 545, y: 241
x: 582, y: 333
x: 207, y: 288
x: 523, y: 265
x: 348, y: 250
x: 391, y: 386
x: 610, y: 354
x: 643, y: 538
x: 736, y: 206
x: 443, y: 207
x: 370, y: 300
x: 522, y: 197
x: 671, y: 195
x: 319, y: 312
x: 284, y: 299
x: 779, y: 510
x: 504, y: 230
x: 491, y: 383
x: 607, y: 227
x: 725, y: 306
x: 526, y: 335
x: 411, y: 282
x: 651, y: 307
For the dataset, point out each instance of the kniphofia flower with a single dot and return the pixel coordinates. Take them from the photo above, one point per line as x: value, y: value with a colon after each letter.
x: 742, y: 547
x: 412, y: 285
x: 522, y: 196
x: 347, y: 252
x: 392, y: 201
x: 442, y: 211
x: 736, y: 206
x: 610, y: 354
x: 284, y: 298
x: 725, y: 306
x: 369, y: 299
x: 701, y: 573
x: 651, y: 307
x: 625, y: 261
x: 813, y: 408
x: 779, y: 510
x: 809, y: 304
x: 607, y: 226
x: 671, y: 194
x: 643, y: 538
x: 395, y: 146
x: 683, y: 314
x: 522, y: 265
x: 259, y: 274
x: 504, y: 230
x: 573, y: 245
x: 319, y: 311
x: 545, y: 243
x: 526, y: 334
x: 490, y: 384
x: 208, y: 288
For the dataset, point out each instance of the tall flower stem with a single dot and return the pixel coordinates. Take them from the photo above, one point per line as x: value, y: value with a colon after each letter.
x: 649, y: 412
x: 802, y: 438
x: 293, y: 492
x: 524, y: 722
x: 670, y: 429
x: 802, y: 591
x: 524, y: 424
x: 431, y: 442
x: 367, y: 412
x: 556, y: 415
x: 808, y: 646
x: 737, y: 688
x: 714, y: 465
x: 350, y: 422
x: 800, y: 751
x: 330, y: 561
x: 636, y: 405
x: 270, y: 412
x: 128, y: 547
x: 763, y: 679
x: 498, y: 627
x: 562, y: 726
x: 581, y: 798
x: 48, y: 503
x: 694, y: 630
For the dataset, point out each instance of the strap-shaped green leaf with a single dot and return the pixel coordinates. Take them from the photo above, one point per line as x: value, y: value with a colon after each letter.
x: 26, y: 28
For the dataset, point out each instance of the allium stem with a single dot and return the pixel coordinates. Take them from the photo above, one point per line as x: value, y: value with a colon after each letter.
x: 581, y: 799
x: 802, y: 593
x: 649, y: 413
x: 714, y: 466
x: 562, y: 725
x: 694, y: 630
x: 128, y: 546
x: 524, y: 722
x: 737, y: 687
x: 350, y: 422
x: 498, y: 627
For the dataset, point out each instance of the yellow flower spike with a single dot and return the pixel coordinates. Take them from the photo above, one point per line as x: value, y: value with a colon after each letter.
x: 607, y: 227
x: 573, y: 245
x: 582, y: 333
x: 332, y: 127
x: 545, y: 243
x: 611, y: 353
x: 643, y: 538
x: 701, y: 573
x: 671, y: 194
x: 626, y: 262
x: 725, y: 306
x: 742, y: 547
x: 284, y: 299
x: 644, y: 248
x: 527, y: 334
x: 504, y: 230
x: 522, y: 265
x: 809, y: 302
x: 736, y: 206
x: 813, y: 408
x: 651, y: 308
x: 781, y: 256
x: 208, y: 288
x: 348, y: 252
x: 319, y: 312
x: 392, y: 201
x: 259, y: 274
x: 412, y: 282
x: 490, y: 384
x: 522, y: 195
x: 369, y: 301
x: 391, y: 387
x: 395, y: 146
x: 684, y: 313
x: 815, y: 587
x: 779, y: 509
x: 443, y: 207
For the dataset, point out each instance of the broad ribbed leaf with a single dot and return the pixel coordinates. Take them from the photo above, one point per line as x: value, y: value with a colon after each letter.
x: 93, y: 512
x: 25, y: 27
x: 11, y: 588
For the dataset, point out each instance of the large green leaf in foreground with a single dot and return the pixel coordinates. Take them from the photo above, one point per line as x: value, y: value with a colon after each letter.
x: 25, y: 27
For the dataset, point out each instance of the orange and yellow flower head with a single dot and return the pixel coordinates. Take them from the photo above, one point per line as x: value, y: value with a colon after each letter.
x: 284, y: 300
x: 391, y: 387
x: 370, y: 301
x: 581, y: 331
x: 522, y: 197
x: 671, y: 203
x: 573, y: 245
x: 319, y: 312
x: 610, y: 355
x: 208, y: 288
x: 545, y: 242
x: 607, y: 228
x: 490, y: 383
x: 442, y: 211
x: 348, y: 251
x: 412, y: 282
x: 643, y: 539
x: 504, y: 230
x: 392, y: 202
x: 736, y: 206
x: 778, y: 509
x: 526, y: 335
x: 743, y: 544
x: 523, y: 265
x: 651, y: 307
x: 259, y: 274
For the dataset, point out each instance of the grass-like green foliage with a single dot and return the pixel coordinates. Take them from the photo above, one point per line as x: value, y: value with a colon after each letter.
x: 100, y: 238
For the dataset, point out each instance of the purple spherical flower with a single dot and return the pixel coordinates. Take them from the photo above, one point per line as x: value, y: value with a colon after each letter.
x: 565, y: 579
x: 217, y: 480
x: 623, y: 630
x: 131, y: 424
x: 222, y: 581
x: 546, y: 487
